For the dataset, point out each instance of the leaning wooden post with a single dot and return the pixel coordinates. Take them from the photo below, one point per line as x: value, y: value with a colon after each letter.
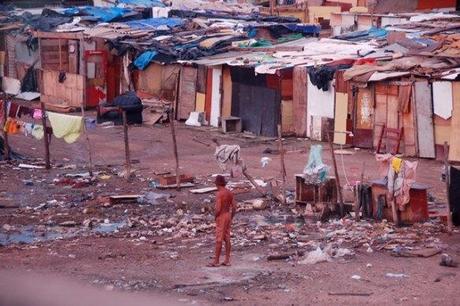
x: 126, y: 139
x: 283, y: 166
x: 176, y: 155
x: 359, y: 194
x: 45, y: 138
x: 88, y: 144
x: 336, y: 171
x: 446, y: 166
x: 5, y: 134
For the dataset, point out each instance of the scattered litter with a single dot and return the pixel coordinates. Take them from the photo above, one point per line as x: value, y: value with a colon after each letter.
x: 356, y: 277
x: 27, y: 166
x: 396, y: 275
x: 152, y: 198
x: 315, y: 257
x: 447, y: 261
x: 264, y: 161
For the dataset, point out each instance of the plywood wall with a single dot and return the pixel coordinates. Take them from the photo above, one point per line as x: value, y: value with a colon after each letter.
x: 69, y: 93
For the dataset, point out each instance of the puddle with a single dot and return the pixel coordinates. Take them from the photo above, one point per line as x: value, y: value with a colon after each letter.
x: 105, y: 228
x: 28, y: 235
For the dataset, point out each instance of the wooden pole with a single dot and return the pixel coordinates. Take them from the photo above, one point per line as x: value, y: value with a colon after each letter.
x: 253, y: 182
x: 88, y: 143
x: 6, y: 146
x: 336, y: 171
x: 359, y: 191
x: 127, y: 153
x: 394, y: 209
x: 446, y: 166
x: 272, y: 4
x: 176, y: 155
x: 45, y: 138
x: 283, y: 166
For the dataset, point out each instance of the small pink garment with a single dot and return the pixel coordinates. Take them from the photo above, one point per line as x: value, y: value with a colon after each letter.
x: 37, y: 114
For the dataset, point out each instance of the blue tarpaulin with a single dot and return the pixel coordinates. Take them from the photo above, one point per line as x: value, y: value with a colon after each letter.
x: 154, y: 23
x: 143, y: 60
x: 303, y: 28
x: 143, y: 3
x: 105, y: 14
x: 372, y: 33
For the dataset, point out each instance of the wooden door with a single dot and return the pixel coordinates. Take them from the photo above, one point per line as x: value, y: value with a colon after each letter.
x: 187, y: 92
x: 424, y: 113
x: 216, y: 96
x: 364, y: 118
x: 299, y: 100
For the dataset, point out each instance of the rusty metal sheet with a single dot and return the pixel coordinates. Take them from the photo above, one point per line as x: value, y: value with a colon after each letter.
x: 424, y: 111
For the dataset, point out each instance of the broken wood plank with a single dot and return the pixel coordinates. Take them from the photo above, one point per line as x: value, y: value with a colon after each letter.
x: 203, y: 190
x: 184, y: 185
x: 124, y: 198
x: 425, y: 253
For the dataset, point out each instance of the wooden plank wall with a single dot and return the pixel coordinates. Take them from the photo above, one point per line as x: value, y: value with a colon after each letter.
x: 69, y: 93
x: 187, y: 92
x: 299, y: 101
x: 227, y: 92
x: 55, y: 54
x: 410, y: 131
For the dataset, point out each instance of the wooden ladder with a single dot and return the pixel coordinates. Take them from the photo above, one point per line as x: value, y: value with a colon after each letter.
x: 390, y: 135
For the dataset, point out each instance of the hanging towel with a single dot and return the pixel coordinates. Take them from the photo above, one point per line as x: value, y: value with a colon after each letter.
x: 38, y: 132
x: 66, y: 126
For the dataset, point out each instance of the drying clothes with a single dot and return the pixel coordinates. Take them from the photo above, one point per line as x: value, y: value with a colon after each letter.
x: 90, y: 123
x: 27, y: 129
x: 315, y: 172
x: 13, y: 110
x: 321, y: 76
x: 227, y: 155
x: 396, y: 163
x: 11, y: 126
x: 399, y: 184
x: 66, y: 126
x: 38, y: 132
x: 37, y: 114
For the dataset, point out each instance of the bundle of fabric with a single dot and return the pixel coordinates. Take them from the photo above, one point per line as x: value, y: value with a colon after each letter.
x: 228, y: 158
x: 401, y: 176
x: 315, y: 172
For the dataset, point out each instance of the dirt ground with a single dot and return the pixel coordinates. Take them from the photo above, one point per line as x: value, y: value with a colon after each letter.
x: 50, y: 227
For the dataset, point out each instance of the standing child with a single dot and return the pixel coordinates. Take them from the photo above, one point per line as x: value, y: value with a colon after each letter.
x: 225, y: 210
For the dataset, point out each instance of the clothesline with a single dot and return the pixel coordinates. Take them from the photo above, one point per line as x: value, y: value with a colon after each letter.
x: 68, y: 127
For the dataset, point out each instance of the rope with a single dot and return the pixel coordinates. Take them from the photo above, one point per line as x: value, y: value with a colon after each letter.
x: 344, y: 171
